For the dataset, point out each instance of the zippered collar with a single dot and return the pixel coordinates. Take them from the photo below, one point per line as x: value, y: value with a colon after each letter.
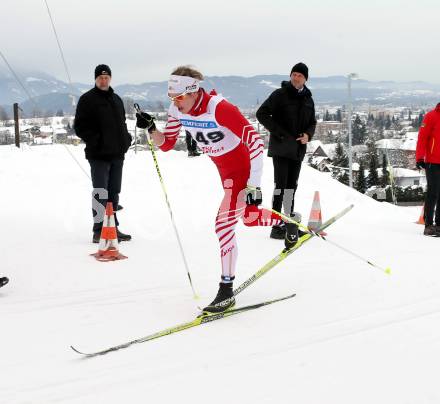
x: 201, y: 104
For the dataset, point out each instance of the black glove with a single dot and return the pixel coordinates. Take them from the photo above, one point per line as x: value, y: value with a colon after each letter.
x: 253, y: 195
x: 145, y: 121
x: 420, y: 165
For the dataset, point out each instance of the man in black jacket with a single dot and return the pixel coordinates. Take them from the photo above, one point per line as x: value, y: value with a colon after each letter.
x: 100, y: 122
x: 289, y: 115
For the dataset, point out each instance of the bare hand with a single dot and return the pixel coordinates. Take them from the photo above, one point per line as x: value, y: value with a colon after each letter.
x: 158, y: 138
x: 304, y: 138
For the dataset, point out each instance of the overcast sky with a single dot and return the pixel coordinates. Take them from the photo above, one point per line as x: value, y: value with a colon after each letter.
x: 143, y: 40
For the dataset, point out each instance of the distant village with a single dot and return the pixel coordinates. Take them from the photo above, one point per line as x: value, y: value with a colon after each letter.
x: 383, y: 146
x: 383, y: 151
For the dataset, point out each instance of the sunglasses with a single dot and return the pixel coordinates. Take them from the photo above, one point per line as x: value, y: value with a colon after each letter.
x: 179, y: 97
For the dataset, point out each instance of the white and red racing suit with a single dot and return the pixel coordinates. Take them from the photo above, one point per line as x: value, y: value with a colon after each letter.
x: 234, y: 146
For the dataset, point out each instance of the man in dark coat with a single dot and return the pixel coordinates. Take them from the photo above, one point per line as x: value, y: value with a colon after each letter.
x: 100, y: 122
x: 289, y: 115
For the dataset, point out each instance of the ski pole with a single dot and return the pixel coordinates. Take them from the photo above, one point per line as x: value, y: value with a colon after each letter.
x: 385, y: 270
x: 290, y: 220
x: 162, y: 183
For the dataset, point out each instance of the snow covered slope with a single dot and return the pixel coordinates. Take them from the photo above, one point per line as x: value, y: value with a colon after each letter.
x: 352, y: 335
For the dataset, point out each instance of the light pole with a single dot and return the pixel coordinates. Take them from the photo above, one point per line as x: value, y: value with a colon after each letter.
x: 350, y: 77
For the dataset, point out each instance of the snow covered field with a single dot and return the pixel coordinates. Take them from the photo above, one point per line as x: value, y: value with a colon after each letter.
x: 352, y: 335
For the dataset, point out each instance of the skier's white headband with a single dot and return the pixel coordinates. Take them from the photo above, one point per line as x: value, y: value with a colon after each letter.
x: 182, y: 85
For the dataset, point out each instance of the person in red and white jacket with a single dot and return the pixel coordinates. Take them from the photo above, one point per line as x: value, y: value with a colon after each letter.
x: 428, y: 157
x: 234, y: 146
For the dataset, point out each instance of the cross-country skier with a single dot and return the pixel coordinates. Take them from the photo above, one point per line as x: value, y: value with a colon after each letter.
x: 234, y: 146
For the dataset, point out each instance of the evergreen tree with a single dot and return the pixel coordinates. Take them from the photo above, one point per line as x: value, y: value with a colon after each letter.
x: 396, y: 125
x: 418, y: 121
x: 379, y: 122
x: 388, y: 122
x: 371, y: 132
x: 341, y: 175
x: 373, y: 177
x: 339, y: 115
x: 384, y: 180
x: 359, y: 131
x: 327, y: 116
x: 361, y: 182
x: 341, y: 158
x: 344, y: 178
x: 60, y: 113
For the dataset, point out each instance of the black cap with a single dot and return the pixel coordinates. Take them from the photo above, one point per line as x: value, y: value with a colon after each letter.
x: 102, y: 69
x: 301, y: 68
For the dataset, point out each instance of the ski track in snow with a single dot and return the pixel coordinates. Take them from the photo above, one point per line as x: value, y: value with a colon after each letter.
x: 351, y: 335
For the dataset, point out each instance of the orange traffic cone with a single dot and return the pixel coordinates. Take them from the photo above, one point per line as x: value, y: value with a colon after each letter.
x: 108, y: 243
x: 315, y: 218
x: 422, y: 216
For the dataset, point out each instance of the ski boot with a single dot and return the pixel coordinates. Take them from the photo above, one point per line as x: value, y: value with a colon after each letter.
x: 96, y: 236
x: 193, y: 153
x: 122, y: 236
x: 278, y: 231
x: 431, y: 231
x: 292, y: 233
x: 223, y: 301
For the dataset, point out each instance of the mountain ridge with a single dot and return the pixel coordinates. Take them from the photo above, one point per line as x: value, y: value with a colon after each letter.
x: 50, y: 93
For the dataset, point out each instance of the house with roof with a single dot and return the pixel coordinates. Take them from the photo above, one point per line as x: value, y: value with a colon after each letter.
x: 316, y: 148
x: 404, y: 177
x: 399, y: 152
x: 317, y: 156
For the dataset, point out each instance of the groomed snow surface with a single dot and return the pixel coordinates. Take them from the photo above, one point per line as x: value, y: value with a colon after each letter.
x: 352, y: 335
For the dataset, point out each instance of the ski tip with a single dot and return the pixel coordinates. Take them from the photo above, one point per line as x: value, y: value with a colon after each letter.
x: 388, y: 271
x: 76, y: 350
